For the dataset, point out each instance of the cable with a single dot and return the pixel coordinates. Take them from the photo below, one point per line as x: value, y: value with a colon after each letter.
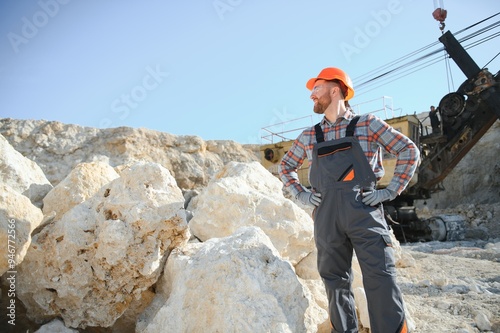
x: 473, y: 25
x: 384, y: 73
x: 389, y: 80
x: 449, y: 76
x: 491, y: 60
x: 398, y: 60
x: 481, y: 41
x: 401, y: 67
x: 479, y: 32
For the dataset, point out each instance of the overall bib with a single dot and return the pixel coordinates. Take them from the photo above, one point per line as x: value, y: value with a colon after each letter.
x: 340, y: 172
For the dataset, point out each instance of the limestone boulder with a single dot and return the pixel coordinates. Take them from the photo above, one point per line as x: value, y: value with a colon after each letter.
x: 237, y: 283
x: 246, y: 194
x: 307, y: 268
x: 105, y: 253
x: 58, y: 148
x: 18, y: 218
x: 82, y: 182
x: 22, y: 174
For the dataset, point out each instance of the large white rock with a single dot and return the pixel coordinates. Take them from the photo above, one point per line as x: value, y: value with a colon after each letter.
x: 307, y: 268
x: 18, y: 218
x: 233, y: 284
x: 22, y: 174
x: 246, y: 194
x: 319, y: 310
x: 361, y: 307
x: 58, y: 148
x: 90, y: 266
x: 82, y: 182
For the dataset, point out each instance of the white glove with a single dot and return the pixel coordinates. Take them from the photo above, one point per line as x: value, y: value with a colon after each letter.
x: 373, y: 198
x: 309, y: 198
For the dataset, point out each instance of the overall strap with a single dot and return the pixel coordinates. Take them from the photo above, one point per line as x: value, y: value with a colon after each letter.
x: 350, y: 128
x: 320, y: 137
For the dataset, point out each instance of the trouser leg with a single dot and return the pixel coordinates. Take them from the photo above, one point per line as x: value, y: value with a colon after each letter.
x: 373, y: 246
x: 334, y: 265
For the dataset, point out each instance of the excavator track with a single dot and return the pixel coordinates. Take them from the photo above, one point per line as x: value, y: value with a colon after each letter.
x: 447, y: 227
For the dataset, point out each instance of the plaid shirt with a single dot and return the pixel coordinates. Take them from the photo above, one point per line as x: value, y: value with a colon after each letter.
x: 372, y: 133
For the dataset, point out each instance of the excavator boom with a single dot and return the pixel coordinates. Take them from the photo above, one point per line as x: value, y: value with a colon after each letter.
x: 466, y: 115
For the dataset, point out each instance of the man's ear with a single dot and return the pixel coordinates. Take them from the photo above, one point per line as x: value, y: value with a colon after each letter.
x: 332, y: 90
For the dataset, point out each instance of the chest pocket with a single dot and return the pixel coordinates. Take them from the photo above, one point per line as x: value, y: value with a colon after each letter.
x: 336, y: 159
x: 330, y: 150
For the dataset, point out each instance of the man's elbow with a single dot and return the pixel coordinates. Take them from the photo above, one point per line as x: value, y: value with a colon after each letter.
x: 281, y: 170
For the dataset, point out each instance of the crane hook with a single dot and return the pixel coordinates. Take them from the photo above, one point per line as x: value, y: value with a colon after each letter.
x: 439, y: 13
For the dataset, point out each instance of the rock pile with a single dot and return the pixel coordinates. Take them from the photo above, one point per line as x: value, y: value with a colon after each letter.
x: 58, y: 148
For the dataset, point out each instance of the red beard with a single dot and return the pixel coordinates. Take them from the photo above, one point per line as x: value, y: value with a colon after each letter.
x: 322, y: 103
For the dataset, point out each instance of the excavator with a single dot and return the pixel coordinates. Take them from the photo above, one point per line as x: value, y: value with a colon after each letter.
x: 466, y: 115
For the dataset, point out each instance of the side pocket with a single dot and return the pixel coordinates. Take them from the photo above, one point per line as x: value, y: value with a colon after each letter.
x: 387, y: 240
x: 390, y: 261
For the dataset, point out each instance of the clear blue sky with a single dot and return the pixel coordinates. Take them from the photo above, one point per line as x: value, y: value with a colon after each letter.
x: 219, y: 69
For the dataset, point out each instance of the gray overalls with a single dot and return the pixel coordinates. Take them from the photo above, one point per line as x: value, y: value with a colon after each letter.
x: 340, y: 172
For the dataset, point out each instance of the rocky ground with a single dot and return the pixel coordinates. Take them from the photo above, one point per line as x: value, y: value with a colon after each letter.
x: 451, y: 292
x: 455, y: 286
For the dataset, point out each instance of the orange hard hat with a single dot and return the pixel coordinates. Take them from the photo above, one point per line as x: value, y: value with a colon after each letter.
x: 332, y: 73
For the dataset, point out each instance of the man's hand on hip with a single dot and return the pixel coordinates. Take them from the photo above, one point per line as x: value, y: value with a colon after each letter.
x: 309, y: 198
x: 373, y: 198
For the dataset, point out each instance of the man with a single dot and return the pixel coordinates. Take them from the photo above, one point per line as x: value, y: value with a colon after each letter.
x: 345, y: 164
x: 434, y: 119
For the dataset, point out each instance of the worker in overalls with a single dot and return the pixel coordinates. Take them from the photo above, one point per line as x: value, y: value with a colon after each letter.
x: 345, y: 156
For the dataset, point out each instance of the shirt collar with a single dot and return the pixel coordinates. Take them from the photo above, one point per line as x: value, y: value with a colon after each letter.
x: 348, y: 115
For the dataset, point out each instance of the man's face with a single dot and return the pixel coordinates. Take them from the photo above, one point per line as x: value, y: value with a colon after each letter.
x: 320, y: 94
